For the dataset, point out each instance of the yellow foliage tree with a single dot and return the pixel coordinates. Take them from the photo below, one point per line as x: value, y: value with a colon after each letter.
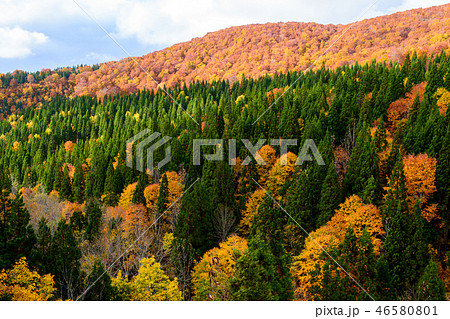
x: 251, y: 208
x: 269, y: 155
x: 175, y: 189
x: 353, y: 212
x: 22, y: 284
x: 280, y: 173
x: 126, y: 198
x: 175, y: 186
x: 420, y: 174
x: 276, y: 177
x: 210, y: 277
x: 150, y: 284
x: 443, y: 100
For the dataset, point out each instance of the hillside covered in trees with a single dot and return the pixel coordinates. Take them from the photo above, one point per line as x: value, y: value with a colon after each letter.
x: 71, y: 208
x: 77, y: 223
x: 250, y: 51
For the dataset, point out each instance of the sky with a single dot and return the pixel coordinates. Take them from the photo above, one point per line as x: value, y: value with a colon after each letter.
x: 57, y: 33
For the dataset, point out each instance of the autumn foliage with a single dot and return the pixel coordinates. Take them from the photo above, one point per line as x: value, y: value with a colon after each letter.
x: 212, y: 273
x: 399, y: 110
x: 23, y: 284
x: 73, y: 210
x: 352, y: 213
x: 273, y: 47
x: 253, y: 51
x: 150, y: 284
x: 420, y: 173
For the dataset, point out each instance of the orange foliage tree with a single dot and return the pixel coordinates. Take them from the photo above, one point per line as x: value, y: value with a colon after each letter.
x: 175, y: 189
x: 352, y: 213
x: 420, y: 174
x: 400, y: 108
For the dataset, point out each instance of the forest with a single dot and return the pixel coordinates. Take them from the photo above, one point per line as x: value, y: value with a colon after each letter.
x: 76, y: 223
x: 252, y: 51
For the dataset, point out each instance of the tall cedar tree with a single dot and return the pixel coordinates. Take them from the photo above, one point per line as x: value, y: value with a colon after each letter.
x: 199, y: 207
x: 443, y: 190
x: 78, y: 184
x: 430, y: 287
x: 405, y: 248
x: 111, y: 194
x: 195, y: 222
x: 363, y: 163
x: 100, y: 285
x: 142, y: 183
x: 262, y: 273
x: 66, y: 266
x: 163, y: 200
x: 43, y: 247
x: 97, y: 172
x: 330, y: 196
x: 16, y: 233
x: 93, y: 215
x: 65, y: 188
x: 301, y: 205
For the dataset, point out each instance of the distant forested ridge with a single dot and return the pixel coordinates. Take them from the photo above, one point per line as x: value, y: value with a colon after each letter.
x: 251, y: 51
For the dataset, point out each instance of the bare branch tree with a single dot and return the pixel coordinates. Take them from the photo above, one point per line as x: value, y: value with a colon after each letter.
x: 224, y: 223
x: 183, y: 262
x: 350, y: 138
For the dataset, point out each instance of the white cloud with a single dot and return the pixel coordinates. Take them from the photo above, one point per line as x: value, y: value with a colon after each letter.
x: 165, y: 22
x: 100, y: 57
x: 57, y: 12
x: 415, y: 4
x: 171, y: 21
x: 18, y: 43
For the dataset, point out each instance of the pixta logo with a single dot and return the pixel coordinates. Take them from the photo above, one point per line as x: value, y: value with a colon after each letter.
x: 303, y: 156
x: 146, y: 143
x: 308, y: 148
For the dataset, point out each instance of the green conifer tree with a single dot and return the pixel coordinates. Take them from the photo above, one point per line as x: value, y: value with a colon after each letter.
x: 142, y: 183
x: 111, y: 195
x: 78, y: 183
x: 18, y: 237
x: 93, y: 219
x: 357, y: 257
x: 99, y: 283
x: 329, y: 197
x: 262, y: 273
x: 66, y: 187
x: 43, y: 247
x: 163, y: 196
x: 429, y: 286
x: 66, y: 257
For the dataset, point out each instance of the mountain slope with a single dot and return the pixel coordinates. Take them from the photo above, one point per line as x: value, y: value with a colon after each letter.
x: 256, y: 50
